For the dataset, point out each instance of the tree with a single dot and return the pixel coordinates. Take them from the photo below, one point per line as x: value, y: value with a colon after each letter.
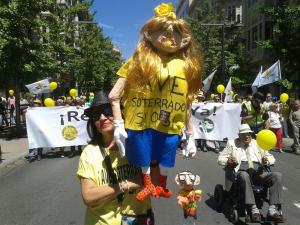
x: 40, y: 38
x: 285, y: 43
x: 19, y: 22
x: 98, y: 64
x: 210, y: 38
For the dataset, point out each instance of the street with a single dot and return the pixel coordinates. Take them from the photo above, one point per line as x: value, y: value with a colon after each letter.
x: 47, y: 192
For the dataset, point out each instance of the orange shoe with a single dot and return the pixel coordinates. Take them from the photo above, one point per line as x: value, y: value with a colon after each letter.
x: 147, y: 190
x: 161, y: 190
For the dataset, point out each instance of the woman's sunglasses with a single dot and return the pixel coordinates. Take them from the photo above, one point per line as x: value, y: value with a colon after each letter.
x: 107, y: 112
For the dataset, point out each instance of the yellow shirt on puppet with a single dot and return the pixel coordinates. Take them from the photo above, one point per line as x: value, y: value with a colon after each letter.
x: 167, y: 94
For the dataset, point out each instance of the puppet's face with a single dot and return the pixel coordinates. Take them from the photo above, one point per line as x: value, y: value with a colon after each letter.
x: 187, y: 180
x: 168, y: 39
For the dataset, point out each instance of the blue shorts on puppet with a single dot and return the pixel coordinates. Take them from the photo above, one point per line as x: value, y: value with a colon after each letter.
x: 146, y: 145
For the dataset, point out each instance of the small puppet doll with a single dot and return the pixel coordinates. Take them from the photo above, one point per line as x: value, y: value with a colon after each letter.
x: 188, y: 196
x: 157, y: 85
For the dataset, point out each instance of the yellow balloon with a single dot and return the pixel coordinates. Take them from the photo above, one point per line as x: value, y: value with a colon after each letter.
x: 212, y: 96
x: 53, y: 86
x: 220, y: 88
x: 266, y: 139
x: 284, y: 97
x: 49, y: 102
x: 11, y: 92
x: 73, y: 92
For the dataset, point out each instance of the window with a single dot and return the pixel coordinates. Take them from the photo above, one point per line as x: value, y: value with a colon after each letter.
x: 249, y: 40
x: 229, y: 13
x: 268, y: 30
x: 260, y: 31
x: 238, y: 18
x: 254, y: 37
x: 233, y: 14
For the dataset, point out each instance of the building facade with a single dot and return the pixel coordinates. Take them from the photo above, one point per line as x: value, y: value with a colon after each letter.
x: 231, y: 10
x: 258, y: 27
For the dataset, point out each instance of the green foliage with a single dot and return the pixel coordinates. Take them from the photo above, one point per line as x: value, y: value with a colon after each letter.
x: 39, y: 38
x: 285, y: 83
x: 285, y: 44
x: 210, y: 38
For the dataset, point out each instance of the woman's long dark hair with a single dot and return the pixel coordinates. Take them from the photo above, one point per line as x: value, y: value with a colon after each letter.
x: 94, y: 134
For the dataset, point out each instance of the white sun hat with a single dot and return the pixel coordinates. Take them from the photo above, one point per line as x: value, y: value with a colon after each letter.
x: 244, y: 128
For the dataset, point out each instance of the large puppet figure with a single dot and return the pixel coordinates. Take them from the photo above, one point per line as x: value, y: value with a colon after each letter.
x: 156, y: 85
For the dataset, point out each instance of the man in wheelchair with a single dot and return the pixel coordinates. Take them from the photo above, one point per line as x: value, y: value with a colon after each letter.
x: 247, y: 163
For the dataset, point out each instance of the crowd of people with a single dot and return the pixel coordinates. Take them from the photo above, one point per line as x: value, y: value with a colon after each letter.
x: 7, y: 110
x: 8, y: 114
x: 261, y: 112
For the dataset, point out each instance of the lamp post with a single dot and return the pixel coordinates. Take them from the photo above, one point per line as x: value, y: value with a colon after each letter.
x: 222, y: 25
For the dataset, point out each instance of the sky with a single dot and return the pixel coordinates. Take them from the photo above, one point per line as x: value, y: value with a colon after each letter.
x: 122, y: 20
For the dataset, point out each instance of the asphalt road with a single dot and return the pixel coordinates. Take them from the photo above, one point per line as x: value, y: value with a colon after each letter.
x: 47, y: 192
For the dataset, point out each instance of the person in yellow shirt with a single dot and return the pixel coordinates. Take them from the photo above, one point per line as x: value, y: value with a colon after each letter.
x: 108, y: 182
x: 157, y: 85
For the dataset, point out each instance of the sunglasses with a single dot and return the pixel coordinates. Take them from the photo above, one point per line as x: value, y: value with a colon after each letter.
x: 107, y: 112
x: 182, y: 177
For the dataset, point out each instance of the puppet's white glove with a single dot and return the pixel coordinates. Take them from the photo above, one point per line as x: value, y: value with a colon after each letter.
x: 190, y: 148
x: 120, y: 135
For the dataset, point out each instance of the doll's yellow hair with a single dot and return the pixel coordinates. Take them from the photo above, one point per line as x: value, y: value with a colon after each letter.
x: 146, y: 63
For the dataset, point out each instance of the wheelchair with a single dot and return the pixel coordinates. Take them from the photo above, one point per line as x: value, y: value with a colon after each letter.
x: 231, y: 202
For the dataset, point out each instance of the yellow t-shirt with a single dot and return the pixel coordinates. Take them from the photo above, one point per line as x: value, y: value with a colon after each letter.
x: 92, y: 166
x: 168, y: 93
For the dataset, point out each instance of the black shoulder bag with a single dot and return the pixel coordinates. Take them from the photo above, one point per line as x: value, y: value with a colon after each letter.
x: 112, y: 176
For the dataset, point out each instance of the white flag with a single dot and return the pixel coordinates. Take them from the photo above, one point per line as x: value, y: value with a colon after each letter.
x: 255, y: 84
x: 39, y: 87
x: 207, y: 81
x: 271, y: 75
x: 228, y: 92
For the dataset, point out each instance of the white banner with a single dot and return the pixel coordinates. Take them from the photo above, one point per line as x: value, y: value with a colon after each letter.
x: 216, y: 121
x: 56, y: 126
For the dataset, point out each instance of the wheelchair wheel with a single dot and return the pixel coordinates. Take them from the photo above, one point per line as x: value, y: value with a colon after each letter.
x: 234, y: 216
x: 219, y: 196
